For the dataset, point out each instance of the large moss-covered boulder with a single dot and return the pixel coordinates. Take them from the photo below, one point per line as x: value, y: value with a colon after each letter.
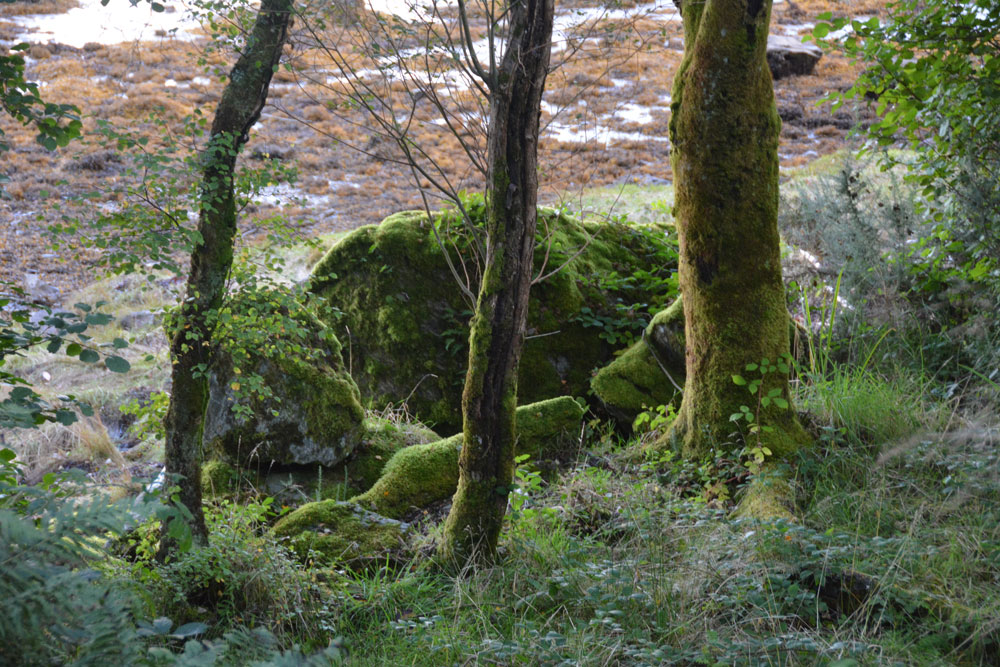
x: 343, y: 533
x: 312, y: 416
x: 418, y: 476
x: 647, y: 374
x: 406, y: 318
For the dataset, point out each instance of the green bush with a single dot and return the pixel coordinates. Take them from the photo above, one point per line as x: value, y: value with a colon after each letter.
x: 932, y: 72
x: 242, y: 579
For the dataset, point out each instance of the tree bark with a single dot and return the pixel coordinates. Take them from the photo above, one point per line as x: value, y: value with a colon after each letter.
x: 724, y: 132
x: 486, y: 463
x: 242, y: 101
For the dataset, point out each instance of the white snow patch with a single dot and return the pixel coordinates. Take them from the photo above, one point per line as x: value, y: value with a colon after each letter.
x: 409, y: 10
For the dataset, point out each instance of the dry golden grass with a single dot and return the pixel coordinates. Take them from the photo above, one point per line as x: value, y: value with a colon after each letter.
x: 37, y: 7
x: 125, y: 84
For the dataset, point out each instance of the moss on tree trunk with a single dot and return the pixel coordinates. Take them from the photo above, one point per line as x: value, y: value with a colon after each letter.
x: 486, y: 464
x: 724, y: 130
x: 238, y: 110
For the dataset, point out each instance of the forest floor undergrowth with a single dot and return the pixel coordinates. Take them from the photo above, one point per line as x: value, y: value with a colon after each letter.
x: 621, y: 557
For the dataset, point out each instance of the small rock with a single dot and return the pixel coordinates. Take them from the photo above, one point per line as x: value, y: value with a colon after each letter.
x: 789, y: 113
x: 789, y: 56
x: 99, y: 161
x: 272, y: 152
x: 344, y: 534
x: 140, y: 319
x: 39, y: 290
x: 39, y: 52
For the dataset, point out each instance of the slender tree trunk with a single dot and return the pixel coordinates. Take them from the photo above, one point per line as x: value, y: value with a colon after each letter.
x: 190, y: 345
x: 486, y: 464
x: 724, y: 130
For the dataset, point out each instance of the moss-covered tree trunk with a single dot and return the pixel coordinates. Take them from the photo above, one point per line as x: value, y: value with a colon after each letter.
x: 242, y: 101
x: 486, y: 463
x: 724, y: 132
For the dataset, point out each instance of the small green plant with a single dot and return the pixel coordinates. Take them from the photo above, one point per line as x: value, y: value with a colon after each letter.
x: 652, y: 420
x: 527, y: 482
x: 242, y: 578
x: 24, y: 327
x: 148, y: 415
x: 756, y: 452
x: 58, y: 608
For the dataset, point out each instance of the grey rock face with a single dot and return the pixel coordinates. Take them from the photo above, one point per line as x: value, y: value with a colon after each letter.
x: 789, y: 56
x: 313, y: 417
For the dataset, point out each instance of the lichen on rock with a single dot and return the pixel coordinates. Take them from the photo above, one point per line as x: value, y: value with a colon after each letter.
x: 418, y: 476
x: 343, y: 533
x: 406, y: 322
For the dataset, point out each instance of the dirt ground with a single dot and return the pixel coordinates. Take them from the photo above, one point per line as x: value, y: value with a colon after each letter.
x: 606, y: 114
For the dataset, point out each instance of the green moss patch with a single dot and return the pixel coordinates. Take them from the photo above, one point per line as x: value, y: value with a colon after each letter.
x: 342, y: 533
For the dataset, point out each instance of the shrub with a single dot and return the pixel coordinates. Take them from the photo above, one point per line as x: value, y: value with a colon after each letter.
x: 242, y: 579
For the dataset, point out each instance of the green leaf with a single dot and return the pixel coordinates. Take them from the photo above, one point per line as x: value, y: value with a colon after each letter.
x: 738, y: 379
x: 162, y: 625
x: 74, y: 349
x: 117, y: 364
x: 781, y: 403
x: 119, y: 343
x: 89, y: 356
x: 65, y: 417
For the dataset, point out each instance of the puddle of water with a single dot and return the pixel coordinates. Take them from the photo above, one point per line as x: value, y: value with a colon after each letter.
x: 284, y: 194
x: 795, y: 29
x: 117, y: 22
